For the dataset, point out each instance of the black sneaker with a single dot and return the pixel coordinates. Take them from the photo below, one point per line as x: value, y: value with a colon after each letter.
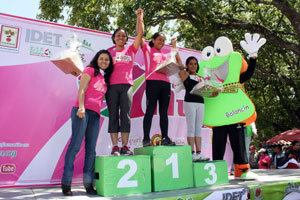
x: 167, y: 142
x: 146, y: 143
x: 126, y: 151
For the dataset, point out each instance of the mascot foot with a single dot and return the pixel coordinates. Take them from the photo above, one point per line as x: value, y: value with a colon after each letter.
x: 242, y: 172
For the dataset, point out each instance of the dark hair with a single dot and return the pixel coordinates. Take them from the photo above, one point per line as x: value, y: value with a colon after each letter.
x: 188, y: 61
x: 115, y: 32
x: 154, y: 36
x: 279, y: 147
x: 94, y: 63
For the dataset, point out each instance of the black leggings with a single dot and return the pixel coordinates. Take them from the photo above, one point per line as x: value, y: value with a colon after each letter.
x: 119, y: 96
x: 161, y: 91
x: 237, y: 141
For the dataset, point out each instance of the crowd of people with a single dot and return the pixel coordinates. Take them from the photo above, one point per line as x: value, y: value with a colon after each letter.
x: 275, y: 156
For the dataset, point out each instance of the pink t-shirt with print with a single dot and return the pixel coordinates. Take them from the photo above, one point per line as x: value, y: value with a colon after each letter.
x: 153, y: 58
x: 94, y: 94
x: 123, y: 65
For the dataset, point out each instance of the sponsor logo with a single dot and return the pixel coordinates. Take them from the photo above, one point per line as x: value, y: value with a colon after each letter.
x: 40, y: 51
x: 8, y: 169
x: 43, y: 38
x: 156, y: 140
x: 258, y: 193
x: 234, y: 112
x: 9, y: 38
x: 84, y: 43
x: 237, y: 195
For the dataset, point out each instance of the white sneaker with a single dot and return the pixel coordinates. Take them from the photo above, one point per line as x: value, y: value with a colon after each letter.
x: 201, y: 157
x: 195, y: 157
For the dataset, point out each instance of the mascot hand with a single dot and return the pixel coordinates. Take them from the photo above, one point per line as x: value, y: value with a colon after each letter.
x: 252, y: 45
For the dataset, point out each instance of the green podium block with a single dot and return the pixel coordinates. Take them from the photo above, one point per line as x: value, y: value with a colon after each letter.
x: 171, y: 166
x: 210, y: 173
x: 122, y: 175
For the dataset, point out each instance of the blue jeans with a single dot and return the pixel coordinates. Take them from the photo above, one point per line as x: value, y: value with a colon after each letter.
x: 87, y: 127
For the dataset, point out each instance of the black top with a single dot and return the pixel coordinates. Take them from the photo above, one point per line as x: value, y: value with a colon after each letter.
x: 189, y: 84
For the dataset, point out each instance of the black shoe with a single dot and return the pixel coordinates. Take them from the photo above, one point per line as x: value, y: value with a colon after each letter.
x: 125, y: 150
x: 167, y: 142
x: 66, y: 190
x: 90, y: 189
x: 146, y: 143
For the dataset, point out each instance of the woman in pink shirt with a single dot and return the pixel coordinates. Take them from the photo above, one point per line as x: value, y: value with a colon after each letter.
x: 157, y: 87
x: 85, y: 118
x: 119, y: 93
x: 264, y: 159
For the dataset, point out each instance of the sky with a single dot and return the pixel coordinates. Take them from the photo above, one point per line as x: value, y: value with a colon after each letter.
x: 21, y: 8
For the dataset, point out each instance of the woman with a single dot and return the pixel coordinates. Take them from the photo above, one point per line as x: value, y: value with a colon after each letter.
x: 264, y: 159
x: 193, y: 106
x: 85, y: 118
x: 119, y: 94
x: 157, y: 87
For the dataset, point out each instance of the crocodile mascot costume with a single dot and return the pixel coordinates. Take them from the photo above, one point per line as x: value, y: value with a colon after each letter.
x: 231, y: 110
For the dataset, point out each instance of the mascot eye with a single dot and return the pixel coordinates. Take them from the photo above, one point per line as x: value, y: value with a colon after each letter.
x: 223, y: 46
x: 208, y: 53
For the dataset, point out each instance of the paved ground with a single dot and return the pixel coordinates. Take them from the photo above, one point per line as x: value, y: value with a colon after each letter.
x: 54, y: 192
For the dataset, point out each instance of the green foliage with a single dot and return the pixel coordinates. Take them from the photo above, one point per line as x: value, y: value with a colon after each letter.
x: 275, y: 86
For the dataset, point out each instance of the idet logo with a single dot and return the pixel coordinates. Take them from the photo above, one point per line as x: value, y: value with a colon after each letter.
x: 8, y: 169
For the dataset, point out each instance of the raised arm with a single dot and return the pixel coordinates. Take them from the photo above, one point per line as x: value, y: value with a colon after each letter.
x: 178, y: 59
x: 139, y: 28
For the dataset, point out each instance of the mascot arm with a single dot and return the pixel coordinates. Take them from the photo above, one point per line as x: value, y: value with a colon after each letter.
x: 245, y: 76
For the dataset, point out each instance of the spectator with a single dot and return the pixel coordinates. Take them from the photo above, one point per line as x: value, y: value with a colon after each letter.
x: 264, y: 159
x: 296, y: 148
x: 279, y: 154
x: 253, y: 157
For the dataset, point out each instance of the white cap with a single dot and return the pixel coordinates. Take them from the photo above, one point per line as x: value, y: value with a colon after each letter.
x: 262, y: 150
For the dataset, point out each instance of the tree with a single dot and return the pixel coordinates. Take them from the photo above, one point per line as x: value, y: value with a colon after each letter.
x: 275, y: 86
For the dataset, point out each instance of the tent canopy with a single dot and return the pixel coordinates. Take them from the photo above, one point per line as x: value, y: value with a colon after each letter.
x: 290, y: 135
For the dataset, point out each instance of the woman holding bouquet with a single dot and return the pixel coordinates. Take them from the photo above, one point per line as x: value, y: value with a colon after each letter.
x: 157, y: 87
x: 85, y: 119
x: 193, y: 106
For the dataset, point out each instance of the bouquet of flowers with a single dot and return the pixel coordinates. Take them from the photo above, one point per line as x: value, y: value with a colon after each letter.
x: 69, y: 61
x: 169, y: 66
x: 207, y: 87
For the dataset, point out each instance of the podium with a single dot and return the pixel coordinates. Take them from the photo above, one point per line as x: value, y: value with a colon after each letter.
x: 122, y: 175
x: 210, y: 173
x: 156, y: 168
x: 171, y: 166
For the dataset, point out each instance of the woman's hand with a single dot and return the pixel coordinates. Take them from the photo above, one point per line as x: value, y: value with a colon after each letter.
x: 173, y: 42
x: 81, y: 112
